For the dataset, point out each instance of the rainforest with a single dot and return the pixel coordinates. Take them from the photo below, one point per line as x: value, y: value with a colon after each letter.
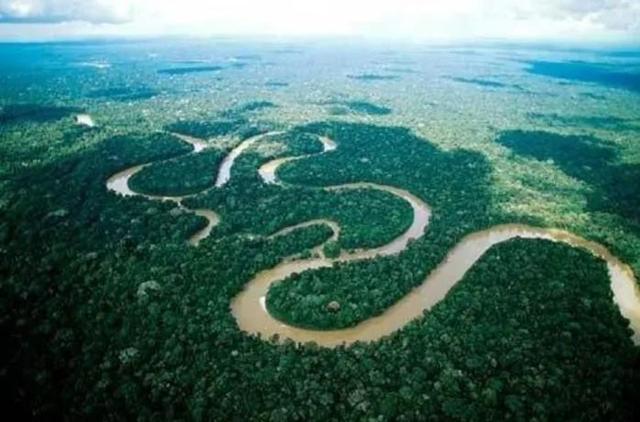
x: 241, y: 230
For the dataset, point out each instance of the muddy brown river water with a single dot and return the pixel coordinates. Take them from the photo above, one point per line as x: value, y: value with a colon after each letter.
x: 248, y: 307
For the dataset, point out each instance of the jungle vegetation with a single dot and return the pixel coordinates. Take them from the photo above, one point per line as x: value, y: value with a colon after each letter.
x: 180, y: 176
x: 248, y: 107
x: 598, y: 73
x: 487, y: 83
x: 108, y: 313
x: 598, y: 122
x: 372, y: 153
x: 123, y: 93
x: 615, y: 187
x: 15, y: 113
x: 98, y: 310
x: 358, y: 107
x: 187, y: 70
x: 480, y: 82
x: 248, y: 205
x: 206, y: 130
x: 276, y: 84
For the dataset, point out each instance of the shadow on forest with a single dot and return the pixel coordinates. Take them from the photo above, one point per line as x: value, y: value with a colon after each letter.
x: 231, y: 121
x: 186, y: 70
x: 276, y: 84
x: 248, y: 108
x: 356, y: 107
x: 123, y: 94
x: 598, y: 122
x: 586, y: 72
x: 100, y: 311
x: 486, y: 83
x: 370, y: 77
x: 453, y: 183
x: 34, y: 113
x: 616, y: 186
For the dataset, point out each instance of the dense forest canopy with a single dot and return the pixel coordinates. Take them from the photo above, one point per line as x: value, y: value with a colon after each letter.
x: 108, y: 312
x: 109, y: 305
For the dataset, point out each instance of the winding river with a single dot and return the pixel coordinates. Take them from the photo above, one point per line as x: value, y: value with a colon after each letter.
x: 119, y: 182
x: 249, y: 309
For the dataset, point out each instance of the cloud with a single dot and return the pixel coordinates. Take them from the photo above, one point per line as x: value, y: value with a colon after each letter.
x: 619, y: 15
x: 383, y: 19
x: 54, y: 11
x: 621, y: 19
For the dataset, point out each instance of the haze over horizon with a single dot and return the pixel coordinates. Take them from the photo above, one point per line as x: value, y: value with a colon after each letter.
x: 590, y: 21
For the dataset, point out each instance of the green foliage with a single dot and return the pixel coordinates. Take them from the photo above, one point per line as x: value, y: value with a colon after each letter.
x: 249, y: 107
x: 582, y: 71
x: 598, y: 122
x: 109, y: 314
x: 331, y: 249
x: 179, y: 176
x: 388, y: 156
x: 206, y: 130
x: 123, y: 93
x: 235, y: 121
x: 15, y: 113
x: 361, y: 107
x: 486, y: 83
x: 276, y: 84
x: 367, y: 217
x: 368, y: 108
x: 616, y: 187
x: 187, y: 70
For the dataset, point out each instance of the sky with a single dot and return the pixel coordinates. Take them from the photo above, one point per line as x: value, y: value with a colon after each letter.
x: 608, y: 21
